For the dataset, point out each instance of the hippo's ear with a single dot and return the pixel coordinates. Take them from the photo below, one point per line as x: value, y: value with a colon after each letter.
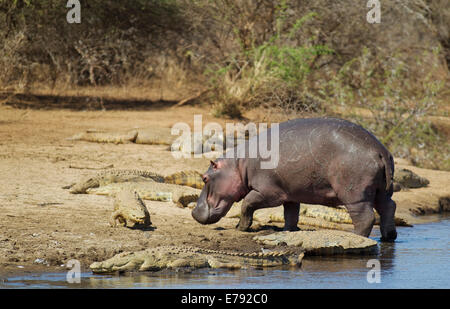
x: 213, y: 164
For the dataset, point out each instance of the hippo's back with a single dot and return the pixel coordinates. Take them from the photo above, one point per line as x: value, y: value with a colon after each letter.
x: 321, y: 137
x: 326, y: 125
x: 318, y: 156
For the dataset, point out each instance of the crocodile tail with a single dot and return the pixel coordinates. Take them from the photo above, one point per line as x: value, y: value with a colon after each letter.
x: 388, y: 162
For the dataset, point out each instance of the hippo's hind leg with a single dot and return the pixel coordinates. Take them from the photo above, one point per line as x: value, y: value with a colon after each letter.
x: 291, y: 212
x: 358, y: 194
x: 386, y: 207
x: 362, y: 216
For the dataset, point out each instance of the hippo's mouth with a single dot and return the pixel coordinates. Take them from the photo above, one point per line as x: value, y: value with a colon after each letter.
x: 210, y: 214
x: 219, y: 211
x: 210, y: 208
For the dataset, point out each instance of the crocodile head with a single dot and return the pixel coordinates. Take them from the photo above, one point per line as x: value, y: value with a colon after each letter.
x: 132, y: 212
x: 81, y: 187
x: 136, y: 218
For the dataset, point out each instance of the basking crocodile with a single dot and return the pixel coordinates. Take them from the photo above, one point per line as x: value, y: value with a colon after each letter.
x: 320, y: 216
x: 130, y: 210
x: 339, y: 215
x: 336, y: 215
x: 114, y: 176
x: 155, y: 136
x: 180, y: 195
x: 404, y: 178
x: 324, y: 224
x: 106, y: 137
x: 322, y: 242
x: 185, y: 178
x: 159, y: 258
x: 150, y: 136
x: 330, y: 218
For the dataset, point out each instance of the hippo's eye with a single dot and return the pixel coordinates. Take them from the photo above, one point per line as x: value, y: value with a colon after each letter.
x: 205, y: 178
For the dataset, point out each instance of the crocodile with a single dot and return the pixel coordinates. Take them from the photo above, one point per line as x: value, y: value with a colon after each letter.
x: 129, y: 210
x: 336, y: 215
x: 339, y: 215
x: 163, y: 136
x: 323, y: 224
x: 155, y: 136
x: 172, y: 257
x: 322, y: 242
x: 150, y: 136
x: 405, y: 178
x: 315, y: 222
x: 106, y: 137
x: 321, y: 217
x: 186, y: 178
x: 113, y: 176
x: 332, y: 218
x: 180, y: 195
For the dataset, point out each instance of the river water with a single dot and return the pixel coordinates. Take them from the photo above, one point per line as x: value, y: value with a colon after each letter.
x: 418, y: 259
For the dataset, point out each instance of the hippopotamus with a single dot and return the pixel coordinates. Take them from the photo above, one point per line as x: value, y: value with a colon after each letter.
x: 324, y: 161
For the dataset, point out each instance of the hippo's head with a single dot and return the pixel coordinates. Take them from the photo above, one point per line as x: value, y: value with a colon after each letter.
x: 223, y: 187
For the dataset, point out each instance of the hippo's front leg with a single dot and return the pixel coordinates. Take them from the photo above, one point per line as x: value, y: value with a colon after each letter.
x: 252, y: 201
x: 291, y: 212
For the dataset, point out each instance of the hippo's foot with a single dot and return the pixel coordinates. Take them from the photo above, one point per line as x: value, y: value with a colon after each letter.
x: 391, y: 238
x: 291, y: 228
x: 244, y: 224
x: 386, y: 209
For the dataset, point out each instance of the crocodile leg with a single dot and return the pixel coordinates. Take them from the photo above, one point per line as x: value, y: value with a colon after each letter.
x: 112, y: 219
x: 215, y: 263
x: 116, y: 216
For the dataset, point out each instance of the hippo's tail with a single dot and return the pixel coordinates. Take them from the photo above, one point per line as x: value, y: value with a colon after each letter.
x: 388, y: 162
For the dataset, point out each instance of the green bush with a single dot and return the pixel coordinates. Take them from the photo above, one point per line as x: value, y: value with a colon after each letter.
x: 273, y: 73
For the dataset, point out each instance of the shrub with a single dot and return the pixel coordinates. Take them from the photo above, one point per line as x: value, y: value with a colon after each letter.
x: 386, y: 99
x: 273, y: 73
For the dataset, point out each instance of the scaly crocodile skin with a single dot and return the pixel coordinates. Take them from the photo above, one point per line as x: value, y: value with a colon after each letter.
x: 180, y: 195
x: 186, y: 178
x: 129, y: 210
x: 153, y: 259
x: 114, y: 176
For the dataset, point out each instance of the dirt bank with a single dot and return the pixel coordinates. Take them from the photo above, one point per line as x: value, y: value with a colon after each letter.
x: 43, y: 225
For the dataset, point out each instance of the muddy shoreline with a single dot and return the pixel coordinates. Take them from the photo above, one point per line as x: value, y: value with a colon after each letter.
x: 43, y: 225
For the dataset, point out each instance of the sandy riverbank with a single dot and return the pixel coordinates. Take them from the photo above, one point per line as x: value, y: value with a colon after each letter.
x: 43, y: 226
